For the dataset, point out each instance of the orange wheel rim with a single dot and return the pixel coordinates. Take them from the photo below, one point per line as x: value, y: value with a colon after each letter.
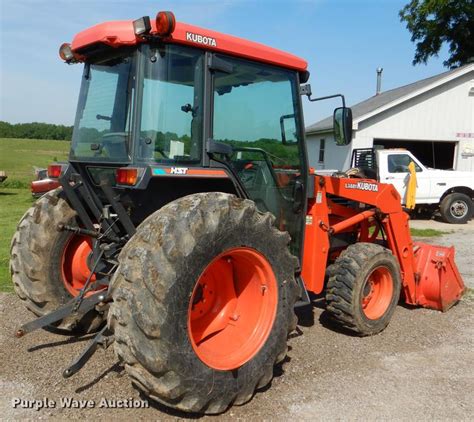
x: 377, y: 293
x: 74, y: 264
x: 232, y: 308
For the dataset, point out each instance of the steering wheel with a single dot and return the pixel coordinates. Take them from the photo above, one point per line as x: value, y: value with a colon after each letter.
x: 266, y: 158
x: 401, y: 169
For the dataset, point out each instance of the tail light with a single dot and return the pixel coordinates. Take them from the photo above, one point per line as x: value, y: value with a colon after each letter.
x: 54, y: 171
x: 126, y: 176
x: 165, y: 23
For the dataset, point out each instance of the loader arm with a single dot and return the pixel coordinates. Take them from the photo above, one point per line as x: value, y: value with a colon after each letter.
x: 373, y: 204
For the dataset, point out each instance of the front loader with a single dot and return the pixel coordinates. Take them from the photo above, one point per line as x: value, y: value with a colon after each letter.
x: 189, y: 225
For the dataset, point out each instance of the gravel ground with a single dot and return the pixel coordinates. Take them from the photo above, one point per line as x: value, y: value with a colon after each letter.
x: 459, y: 235
x: 420, y: 367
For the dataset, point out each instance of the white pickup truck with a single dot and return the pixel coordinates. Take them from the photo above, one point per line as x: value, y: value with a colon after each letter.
x: 451, y: 192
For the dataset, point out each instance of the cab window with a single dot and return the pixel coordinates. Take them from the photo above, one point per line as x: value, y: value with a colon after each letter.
x: 398, y: 163
x: 256, y: 111
x: 171, y: 112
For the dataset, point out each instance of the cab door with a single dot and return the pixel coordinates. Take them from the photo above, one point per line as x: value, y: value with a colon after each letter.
x: 256, y: 110
x: 398, y: 175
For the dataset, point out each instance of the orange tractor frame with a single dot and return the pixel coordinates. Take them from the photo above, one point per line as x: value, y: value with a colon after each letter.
x: 190, y: 251
x: 429, y: 275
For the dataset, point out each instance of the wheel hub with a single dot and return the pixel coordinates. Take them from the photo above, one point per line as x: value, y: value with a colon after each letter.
x: 368, y: 292
x: 377, y: 293
x: 75, y: 264
x: 232, y: 308
x: 459, y: 209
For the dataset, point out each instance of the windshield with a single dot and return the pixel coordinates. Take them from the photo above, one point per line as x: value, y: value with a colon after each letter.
x: 102, y: 130
x: 171, y: 111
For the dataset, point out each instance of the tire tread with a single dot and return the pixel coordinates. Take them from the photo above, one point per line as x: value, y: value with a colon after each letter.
x: 161, y: 240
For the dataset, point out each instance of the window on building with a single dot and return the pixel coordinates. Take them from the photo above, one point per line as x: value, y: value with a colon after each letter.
x: 322, y: 146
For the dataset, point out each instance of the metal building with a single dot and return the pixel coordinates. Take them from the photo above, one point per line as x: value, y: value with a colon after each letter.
x: 433, y: 118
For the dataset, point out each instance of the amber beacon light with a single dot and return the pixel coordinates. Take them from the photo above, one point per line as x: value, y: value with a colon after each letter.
x: 165, y: 23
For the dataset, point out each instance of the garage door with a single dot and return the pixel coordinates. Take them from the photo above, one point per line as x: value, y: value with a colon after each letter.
x: 439, y: 155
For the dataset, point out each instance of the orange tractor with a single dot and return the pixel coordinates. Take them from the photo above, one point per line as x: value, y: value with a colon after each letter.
x: 188, y: 224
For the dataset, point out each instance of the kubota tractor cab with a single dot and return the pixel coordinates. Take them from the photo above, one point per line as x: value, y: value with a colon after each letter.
x: 188, y: 223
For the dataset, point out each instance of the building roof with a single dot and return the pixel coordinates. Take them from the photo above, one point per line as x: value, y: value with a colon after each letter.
x: 380, y: 101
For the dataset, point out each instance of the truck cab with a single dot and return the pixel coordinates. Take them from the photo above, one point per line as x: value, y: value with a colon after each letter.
x: 450, y: 191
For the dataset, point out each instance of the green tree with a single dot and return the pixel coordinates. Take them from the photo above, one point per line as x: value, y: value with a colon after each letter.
x: 435, y: 22
x: 35, y: 130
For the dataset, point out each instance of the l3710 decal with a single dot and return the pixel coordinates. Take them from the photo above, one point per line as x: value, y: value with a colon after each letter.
x: 371, y: 187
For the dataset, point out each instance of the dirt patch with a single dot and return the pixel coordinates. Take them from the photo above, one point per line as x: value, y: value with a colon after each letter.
x: 420, y: 367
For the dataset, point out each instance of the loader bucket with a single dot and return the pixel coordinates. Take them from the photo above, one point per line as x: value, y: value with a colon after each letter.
x: 440, y: 285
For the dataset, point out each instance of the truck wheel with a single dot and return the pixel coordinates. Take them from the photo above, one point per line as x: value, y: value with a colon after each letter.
x: 456, y: 208
x: 364, y: 288
x: 48, y: 266
x: 203, y: 302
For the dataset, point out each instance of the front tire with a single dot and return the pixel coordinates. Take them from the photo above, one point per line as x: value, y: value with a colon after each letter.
x: 456, y: 208
x: 195, y: 249
x: 364, y: 288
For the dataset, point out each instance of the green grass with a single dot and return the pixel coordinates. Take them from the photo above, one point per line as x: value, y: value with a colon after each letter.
x: 427, y: 232
x: 420, y: 232
x: 18, y: 156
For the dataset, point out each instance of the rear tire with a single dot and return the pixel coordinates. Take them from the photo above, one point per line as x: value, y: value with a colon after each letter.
x: 364, y: 288
x: 156, y: 282
x: 456, y: 208
x: 36, y: 257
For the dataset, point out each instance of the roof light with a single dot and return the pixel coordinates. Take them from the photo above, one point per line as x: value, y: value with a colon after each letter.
x: 142, y: 26
x: 54, y: 171
x: 65, y: 52
x: 126, y: 176
x: 165, y: 23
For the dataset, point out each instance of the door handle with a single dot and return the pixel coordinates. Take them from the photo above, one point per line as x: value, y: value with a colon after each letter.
x: 390, y: 178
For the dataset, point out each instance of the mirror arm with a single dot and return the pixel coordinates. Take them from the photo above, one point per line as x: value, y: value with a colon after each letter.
x: 327, y: 97
x: 306, y: 90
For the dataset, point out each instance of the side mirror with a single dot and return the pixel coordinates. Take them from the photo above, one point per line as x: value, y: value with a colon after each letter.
x: 343, y: 125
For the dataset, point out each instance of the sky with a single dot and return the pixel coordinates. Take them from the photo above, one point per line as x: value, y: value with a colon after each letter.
x: 344, y: 41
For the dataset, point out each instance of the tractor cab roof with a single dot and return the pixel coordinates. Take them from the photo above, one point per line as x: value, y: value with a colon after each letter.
x: 117, y: 34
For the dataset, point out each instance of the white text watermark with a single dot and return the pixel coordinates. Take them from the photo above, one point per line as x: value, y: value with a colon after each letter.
x: 73, y: 403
